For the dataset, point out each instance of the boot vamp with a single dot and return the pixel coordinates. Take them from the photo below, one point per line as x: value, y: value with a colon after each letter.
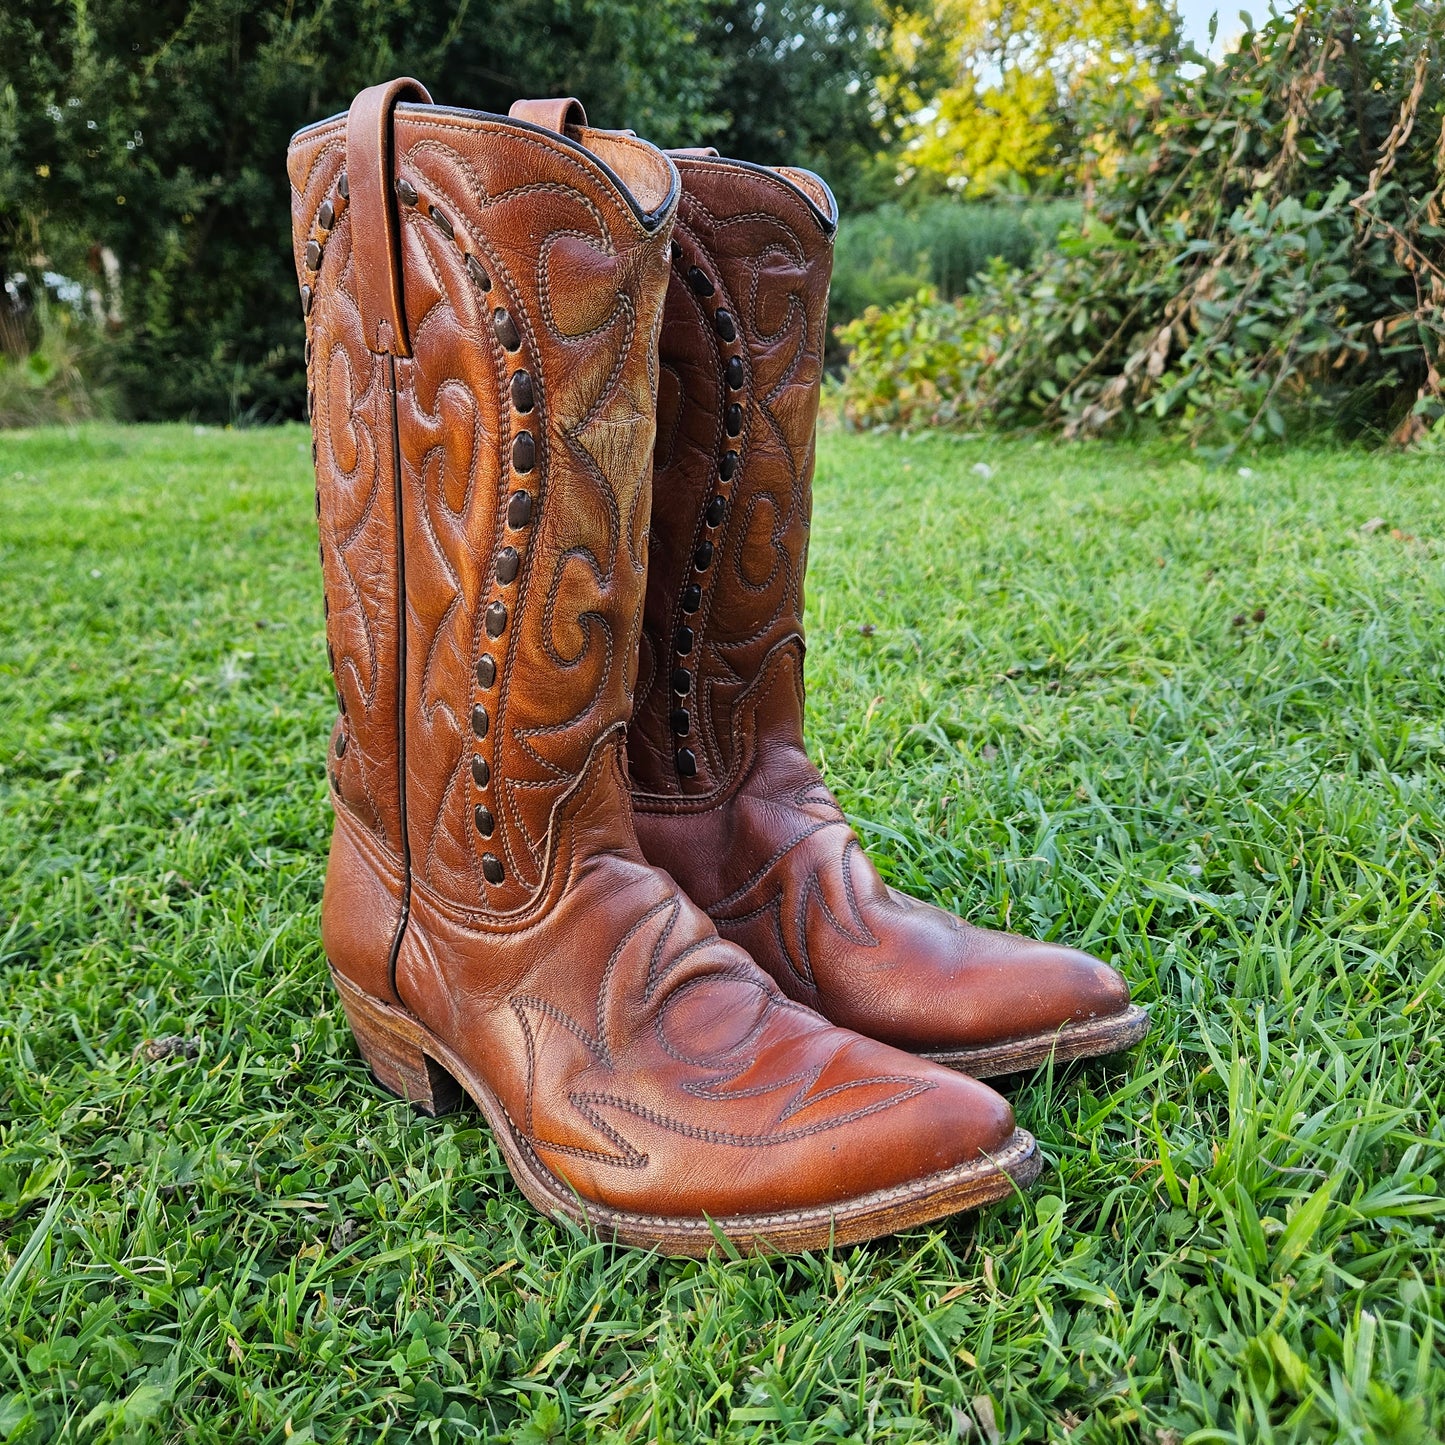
x: 652, y: 1066
x: 781, y: 873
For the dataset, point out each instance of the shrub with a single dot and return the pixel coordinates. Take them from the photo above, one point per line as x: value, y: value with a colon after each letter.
x: 55, y: 379
x: 888, y: 254
x: 1268, y: 256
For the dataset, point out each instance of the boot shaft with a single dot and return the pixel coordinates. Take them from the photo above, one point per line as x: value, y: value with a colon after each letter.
x: 741, y: 368
x: 482, y: 297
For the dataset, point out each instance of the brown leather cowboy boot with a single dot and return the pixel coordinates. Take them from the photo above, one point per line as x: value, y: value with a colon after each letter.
x: 725, y: 797
x: 482, y: 298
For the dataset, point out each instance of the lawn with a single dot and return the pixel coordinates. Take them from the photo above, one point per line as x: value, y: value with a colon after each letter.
x: 1192, y: 720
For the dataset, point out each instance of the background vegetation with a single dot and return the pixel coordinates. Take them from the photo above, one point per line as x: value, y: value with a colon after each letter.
x: 1186, y: 718
x: 1267, y: 254
x: 142, y: 144
x: 157, y: 129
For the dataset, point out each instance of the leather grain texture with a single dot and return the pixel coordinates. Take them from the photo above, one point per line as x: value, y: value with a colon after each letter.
x: 725, y: 795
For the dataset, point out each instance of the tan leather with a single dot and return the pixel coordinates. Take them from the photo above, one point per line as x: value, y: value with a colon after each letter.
x: 554, y: 114
x: 484, y: 505
x: 725, y: 795
x: 370, y: 176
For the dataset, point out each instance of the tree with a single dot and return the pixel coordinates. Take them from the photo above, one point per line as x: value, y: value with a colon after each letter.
x: 797, y: 85
x: 158, y: 129
x: 988, y: 95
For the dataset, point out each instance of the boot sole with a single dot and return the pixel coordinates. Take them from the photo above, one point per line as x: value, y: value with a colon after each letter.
x: 1086, y: 1040
x: 409, y: 1061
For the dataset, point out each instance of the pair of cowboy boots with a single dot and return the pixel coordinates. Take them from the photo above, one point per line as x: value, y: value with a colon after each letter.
x: 657, y: 959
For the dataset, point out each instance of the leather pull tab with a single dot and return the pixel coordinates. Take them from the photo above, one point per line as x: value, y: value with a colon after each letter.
x: 550, y: 114
x: 693, y: 151
x: 371, y: 199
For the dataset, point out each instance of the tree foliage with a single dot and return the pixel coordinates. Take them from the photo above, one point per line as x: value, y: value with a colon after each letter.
x: 992, y: 94
x: 1271, y: 253
x: 158, y: 129
x: 796, y: 87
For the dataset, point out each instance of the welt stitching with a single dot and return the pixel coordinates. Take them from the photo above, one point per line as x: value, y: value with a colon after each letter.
x: 544, y: 290
x: 747, y: 975
x: 631, y: 1155
x: 849, y: 849
x: 755, y: 1141
x: 760, y: 873
x: 745, y: 760
x: 572, y: 162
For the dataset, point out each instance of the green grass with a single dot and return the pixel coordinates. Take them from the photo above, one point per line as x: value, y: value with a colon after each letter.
x: 1045, y: 696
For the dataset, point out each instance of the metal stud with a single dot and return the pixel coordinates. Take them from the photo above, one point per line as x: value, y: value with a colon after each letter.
x: 702, y: 558
x: 519, y: 510
x: 682, y: 643
x: 480, y: 721
x: 341, y: 744
x: 306, y: 301
x: 481, y: 773
x: 524, y: 453
x: 486, y: 824
x: 326, y: 215
x: 313, y: 256
x: 681, y: 721
x: 733, y: 419
x: 725, y: 325
x: 343, y: 189
x: 524, y: 396
x: 443, y: 223
x: 675, y: 251
x: 492, y: 868
x: 507, y: 562
x: 495, y: 619
x: 681, y: 681
x: 697, y: 279
x: 407, y: 192
x: 716, y: 511
x: 734, y: 373
x: 478, y: 273
x: 506, y: 329
x: 686, y: 762
x: 486, y: 672
x: 727, y: 466
x: 691, y: 597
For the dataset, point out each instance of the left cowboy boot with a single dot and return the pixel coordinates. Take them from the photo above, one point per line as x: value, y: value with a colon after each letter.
x: 725, y: 796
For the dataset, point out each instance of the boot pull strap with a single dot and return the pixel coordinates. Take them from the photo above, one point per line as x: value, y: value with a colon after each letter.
x: 693, y: 151
x: 555, y: 114
x: 371, y: 198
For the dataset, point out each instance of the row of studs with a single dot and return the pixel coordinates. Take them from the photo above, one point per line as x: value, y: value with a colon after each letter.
x: 684, y: 640
x: 327, y: 215
x: 522, y: 392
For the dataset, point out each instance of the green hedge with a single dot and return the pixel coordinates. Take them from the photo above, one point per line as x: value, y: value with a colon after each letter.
x: 888, y: 254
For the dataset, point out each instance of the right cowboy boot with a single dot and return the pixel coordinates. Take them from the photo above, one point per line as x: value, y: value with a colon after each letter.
x: 482, y: 299
x: 725, y: 796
